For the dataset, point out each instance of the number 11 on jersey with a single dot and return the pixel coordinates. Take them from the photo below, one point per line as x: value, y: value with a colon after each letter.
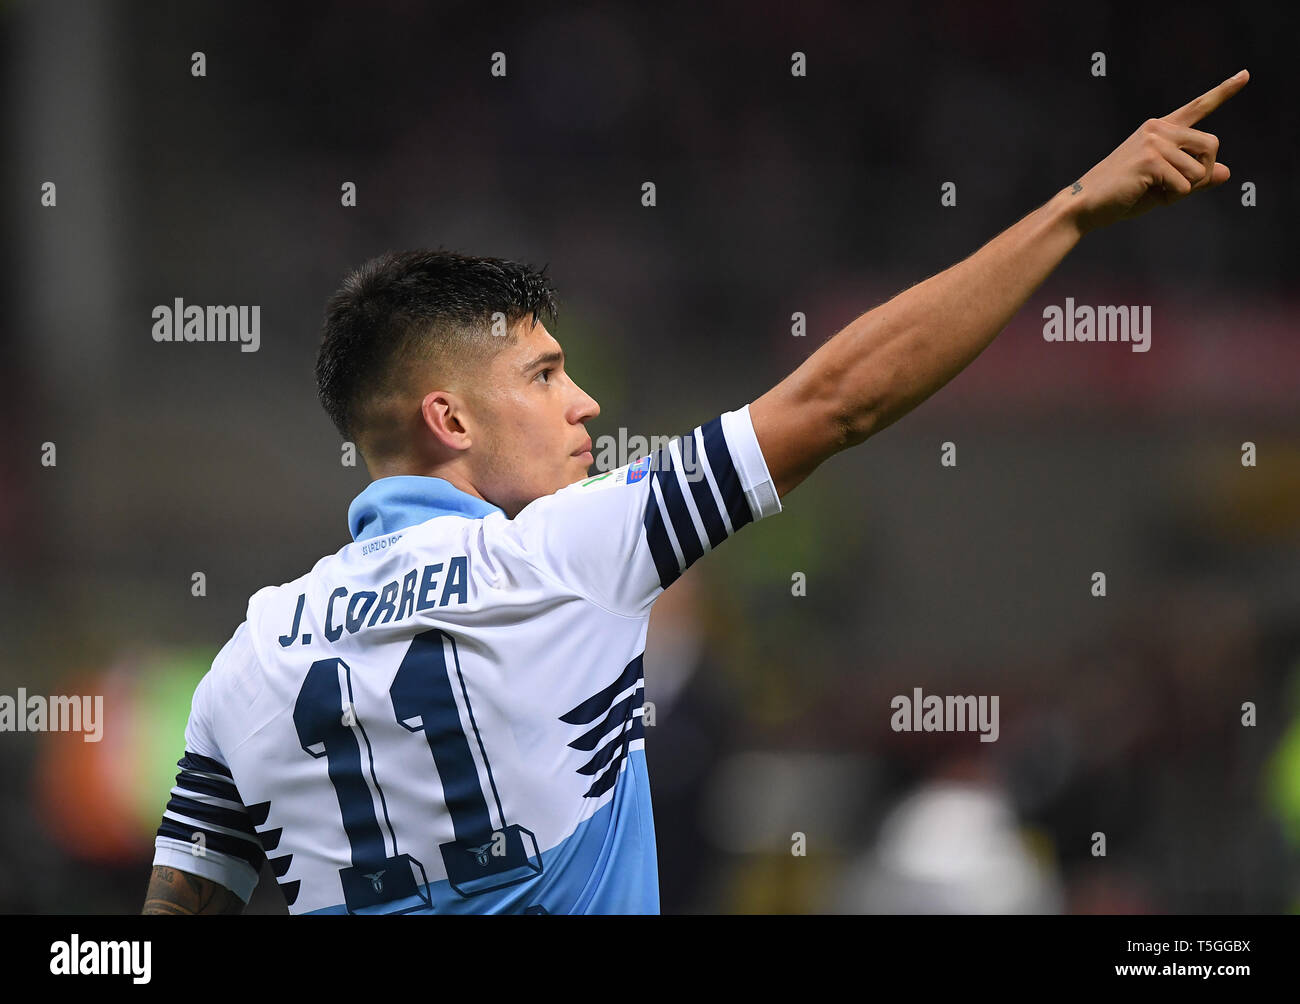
x: 481, y: 858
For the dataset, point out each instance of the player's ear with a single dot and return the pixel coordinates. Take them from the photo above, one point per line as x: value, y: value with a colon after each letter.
x: 445, y: 418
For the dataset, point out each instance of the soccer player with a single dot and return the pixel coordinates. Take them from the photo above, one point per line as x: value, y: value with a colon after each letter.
x: 446, y: 715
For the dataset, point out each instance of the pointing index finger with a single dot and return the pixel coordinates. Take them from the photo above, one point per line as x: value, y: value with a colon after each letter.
x: 1198, y: 108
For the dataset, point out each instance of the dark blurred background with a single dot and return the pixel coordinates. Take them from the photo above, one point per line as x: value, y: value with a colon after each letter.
x: 1119, y: 715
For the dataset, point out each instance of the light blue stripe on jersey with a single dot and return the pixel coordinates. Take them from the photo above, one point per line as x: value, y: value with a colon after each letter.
x: 607, y: 865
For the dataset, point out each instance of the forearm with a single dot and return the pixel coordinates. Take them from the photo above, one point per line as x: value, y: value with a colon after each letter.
x: 174, y: 892
x: 893, y: 357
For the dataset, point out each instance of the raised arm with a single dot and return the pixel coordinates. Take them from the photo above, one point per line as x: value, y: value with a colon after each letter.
x: 896, y: 355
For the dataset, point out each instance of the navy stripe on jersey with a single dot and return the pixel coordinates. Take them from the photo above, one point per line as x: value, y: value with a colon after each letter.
x: 706, y: 503
x: 280, y: 865
x: 222, y: 843
x: 270, y: 838
x: 207, y: 783
x: 607, y: 779
x: 205, y: 800
x: 661, y: 548
x: 290, y: 890
x: 204, y: 764
x: 196, y: 816
x: 635, y: 731
x: 226, y: 816
x: 258, y: 812
x: 619, y: 713
x: 624, y: 713
x: 688, y: 538
x: 197, y: 783
x: 671, y: 507
x: 597, y: 704
x: 724, y: 472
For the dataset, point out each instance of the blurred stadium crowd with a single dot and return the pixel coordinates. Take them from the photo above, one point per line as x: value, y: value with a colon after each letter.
x: 1120, y: 715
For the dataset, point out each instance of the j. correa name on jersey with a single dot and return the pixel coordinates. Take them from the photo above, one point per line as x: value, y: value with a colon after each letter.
x: 422, y: 588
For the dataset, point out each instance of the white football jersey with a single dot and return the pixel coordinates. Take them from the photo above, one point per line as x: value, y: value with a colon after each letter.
x: 446, y: 715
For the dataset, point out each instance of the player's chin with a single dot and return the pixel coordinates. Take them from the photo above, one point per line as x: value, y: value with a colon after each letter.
x: 580, y: 466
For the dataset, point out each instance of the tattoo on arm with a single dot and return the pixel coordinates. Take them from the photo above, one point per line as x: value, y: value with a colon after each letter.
x: 177, y: 893
x: 1076, y: 188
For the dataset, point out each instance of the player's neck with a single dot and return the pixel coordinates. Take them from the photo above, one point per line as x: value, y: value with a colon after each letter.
x: 457, y: 478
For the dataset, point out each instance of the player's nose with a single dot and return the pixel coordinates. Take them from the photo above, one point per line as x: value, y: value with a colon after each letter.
x: 586, y: 407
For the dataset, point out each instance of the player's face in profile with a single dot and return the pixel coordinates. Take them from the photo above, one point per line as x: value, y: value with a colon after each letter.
x: 535, y: 419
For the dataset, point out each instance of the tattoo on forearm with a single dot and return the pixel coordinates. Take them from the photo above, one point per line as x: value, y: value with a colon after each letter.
x: 1076, y: 188
x: 177, y: 893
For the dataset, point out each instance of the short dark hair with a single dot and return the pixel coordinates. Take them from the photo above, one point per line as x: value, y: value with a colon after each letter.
x: 407, y: 305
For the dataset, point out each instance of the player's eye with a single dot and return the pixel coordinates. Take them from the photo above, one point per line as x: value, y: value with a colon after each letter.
x: 544, y: 373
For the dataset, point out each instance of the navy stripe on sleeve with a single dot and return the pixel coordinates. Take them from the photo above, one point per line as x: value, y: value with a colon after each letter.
x: 227, y: 829
x: 705, y: 503
x: 196, y: 783
x: 724, y: 472
x: 661, y: 548
x: 676, y: 508
x: 683, y: 526
x: 193, y: 761
x: 216, y: 815
x: 222, y: 843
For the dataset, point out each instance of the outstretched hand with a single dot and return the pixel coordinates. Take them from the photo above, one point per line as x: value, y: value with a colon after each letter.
x: 1164, y: 161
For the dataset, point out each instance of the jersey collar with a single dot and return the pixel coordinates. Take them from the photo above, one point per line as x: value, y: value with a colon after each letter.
x: 403, y: 500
